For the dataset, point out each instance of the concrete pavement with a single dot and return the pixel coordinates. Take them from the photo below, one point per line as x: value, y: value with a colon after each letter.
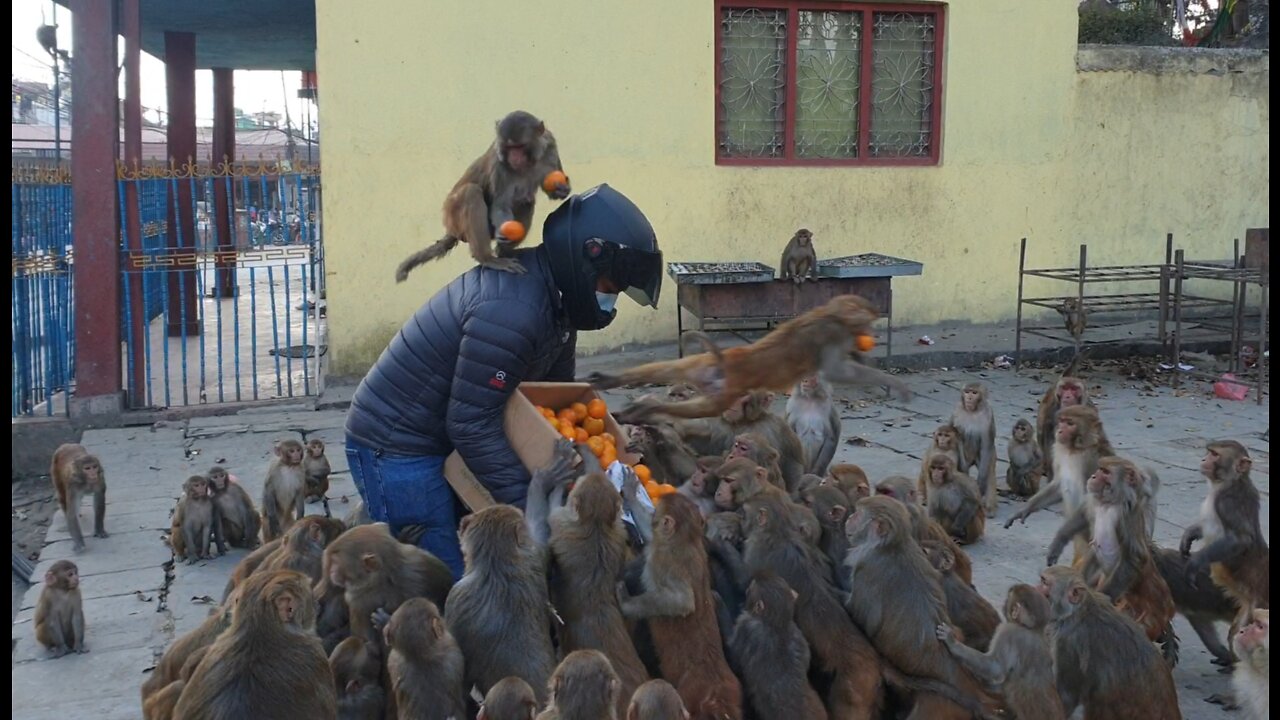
x: 137, y: 601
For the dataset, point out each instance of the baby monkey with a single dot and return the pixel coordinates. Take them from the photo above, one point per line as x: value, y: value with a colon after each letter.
x: 59, y: 617
x: 800, y: 260
x: 500, y: 186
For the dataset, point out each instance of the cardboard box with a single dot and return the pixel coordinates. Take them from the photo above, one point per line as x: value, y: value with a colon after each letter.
x: 530, y: 435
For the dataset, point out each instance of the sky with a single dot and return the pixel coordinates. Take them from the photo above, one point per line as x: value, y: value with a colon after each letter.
x: 256, y: 91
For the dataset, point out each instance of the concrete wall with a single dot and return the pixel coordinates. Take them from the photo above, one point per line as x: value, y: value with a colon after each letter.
x: 1032, y: 146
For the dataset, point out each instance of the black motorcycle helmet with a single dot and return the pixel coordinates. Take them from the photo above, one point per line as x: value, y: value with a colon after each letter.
x: 601, y: 232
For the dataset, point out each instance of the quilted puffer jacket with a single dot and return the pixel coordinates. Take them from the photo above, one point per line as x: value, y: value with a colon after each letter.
x: 442, y: 383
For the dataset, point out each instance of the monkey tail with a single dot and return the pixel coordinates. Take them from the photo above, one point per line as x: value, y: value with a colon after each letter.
x: 940, y: 688
x: 437, y: 249
x: 708, y: 344
x: 1073, y: 367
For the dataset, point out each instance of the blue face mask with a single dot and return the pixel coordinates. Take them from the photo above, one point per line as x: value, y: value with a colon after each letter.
x: 606, y: 301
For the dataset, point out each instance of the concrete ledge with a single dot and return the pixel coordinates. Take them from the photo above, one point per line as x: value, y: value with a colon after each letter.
x: 33, y: 440
x: 1170, y: 61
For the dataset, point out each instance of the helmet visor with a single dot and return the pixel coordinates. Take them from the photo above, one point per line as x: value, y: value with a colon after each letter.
x: 638, y: 274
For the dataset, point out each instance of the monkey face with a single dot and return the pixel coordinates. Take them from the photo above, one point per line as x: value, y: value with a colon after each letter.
x: 63, y: 575
x: 938, y: 475
x: 285, y: 604
x: 724, y: 494
x: 1069, y: 394
x: 1021, y: 431
x: 858, y: 527
x: 90, y: 470
x: 944, y: 439
x: 1099, y: 484
x: 1256, y: 634
x: 804, y: 237
x: 970, y: 397
x: 197, y: 487
x: 315, y: 448
x: 809, y: 385
x: 1066, y: 430
x: 698, y: 482
x: 218, y: 479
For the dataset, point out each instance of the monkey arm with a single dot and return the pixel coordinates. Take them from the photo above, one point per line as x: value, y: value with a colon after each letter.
x: 544, y: 481
x: 218, y: 539
x: 100, y: 509
x: 675, y: 599
x: 964, y: 515
x: 732, y: 559
x: 1189, y: 536
x: 1072, y: 526
x: 77, y: 627
x: 987, y: 457
x: 837, y: 367
x: 640, y: 512
x: 499, y: 339
x: 1048, y: 495
x: 829, y: 444
x: 987, y: 667
x: 1122, y: 576
x: 1229, y: 545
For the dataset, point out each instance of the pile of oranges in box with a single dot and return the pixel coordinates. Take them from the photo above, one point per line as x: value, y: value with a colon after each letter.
x: 583, y: 423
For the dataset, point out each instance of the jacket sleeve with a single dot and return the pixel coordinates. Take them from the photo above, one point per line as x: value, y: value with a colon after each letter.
x: 498, y: 341
x: 563, y: 368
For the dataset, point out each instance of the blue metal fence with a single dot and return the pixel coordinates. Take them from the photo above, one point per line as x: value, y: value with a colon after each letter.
x: 228, y: 283
x: 43, y: 330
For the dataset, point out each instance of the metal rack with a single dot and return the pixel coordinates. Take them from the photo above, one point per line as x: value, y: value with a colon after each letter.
x: 1083, y: 275
x: 1241, y: 275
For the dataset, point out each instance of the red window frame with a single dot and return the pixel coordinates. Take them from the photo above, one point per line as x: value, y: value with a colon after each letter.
x: 793, y: 8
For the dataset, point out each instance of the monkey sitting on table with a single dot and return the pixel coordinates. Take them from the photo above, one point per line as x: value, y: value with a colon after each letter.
x: 500, y: 186
x: 800, y: 260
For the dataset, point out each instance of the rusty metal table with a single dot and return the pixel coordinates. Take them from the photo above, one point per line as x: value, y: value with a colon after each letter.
x: 739, y: 297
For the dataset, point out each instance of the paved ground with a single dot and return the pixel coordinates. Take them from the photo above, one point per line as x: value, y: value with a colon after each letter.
x: 136, y: 601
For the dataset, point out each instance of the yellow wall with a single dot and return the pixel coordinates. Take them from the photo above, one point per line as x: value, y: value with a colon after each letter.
x: 1031, y: 147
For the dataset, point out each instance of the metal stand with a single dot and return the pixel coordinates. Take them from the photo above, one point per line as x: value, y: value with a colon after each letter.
x: 1241, y: 277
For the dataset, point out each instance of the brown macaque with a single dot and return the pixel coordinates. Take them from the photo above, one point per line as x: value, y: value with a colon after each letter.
x: 588, y: 553
x: 799, y: 259
x: 897, y: 598
x: 357, y: 668
x: 1080, y: 441
x: 269, y: 663
x: 1252, y: 678
x: 741, y: 479
x: 770, y: 654
x: 813, y: 417
x: 301, y: 549
x: 1118, y: 562
x: 499, y: 610
x: 1074, y: 317
x: 969, y: 611
x: 333, y: 617
x: 316, y: 470
x: 667, y: 456
x: 681, y: 616
x: 160, y: 705
x: 1101, y: 658
x: 1068, y: 391
x: 75, y: 474
x: 1233, y: 548
x: 250, y: 563
x: 656, y: 700
x: 807, y: 483
x: 831, y: 507
x: 284, y: 493
x: 195, y: 521
x: 240, y: 520
x: 820, y: 340
x: 975, y: 425
x: 850, y: 480
x: 681, y: 391
x: 714, y: 435
x: 499, y: 186
x: 702, y: 484
x: 583, y: 687
x: 423, y: 662
x: 1200, y: 600
x: 946, y: 443
x: 174, y: 663
x: 756, y: 448
x: 775, y: 543
x: 924, y: 528
x: 1026, y: 461
x: 509, y: 699
x: 377, y: 571
x: 359, y: 515
x: 59, y: 616
x: 1018, y: 662
x: 954, y: 501
x: 729, y: 576
x: 768, y: 431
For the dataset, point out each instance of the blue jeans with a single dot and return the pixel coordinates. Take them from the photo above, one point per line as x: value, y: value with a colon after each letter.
x: 405, y: 490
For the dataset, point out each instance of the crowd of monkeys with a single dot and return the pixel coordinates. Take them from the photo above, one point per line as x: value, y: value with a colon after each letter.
x: 771, y: 585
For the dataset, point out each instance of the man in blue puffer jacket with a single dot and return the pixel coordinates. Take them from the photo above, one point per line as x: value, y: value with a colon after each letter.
x: 442, y: 383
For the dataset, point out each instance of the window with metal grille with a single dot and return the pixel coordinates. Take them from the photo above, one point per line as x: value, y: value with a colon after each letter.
x: 804, y: 83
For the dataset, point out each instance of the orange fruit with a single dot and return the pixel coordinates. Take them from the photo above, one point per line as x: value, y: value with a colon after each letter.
x: 567, y: 425
x: 567, y: 415
x: 554, y: 178
x: 608, y: 457
x: 512, y: 231
x: 643, y: 472
x: 608, y: 438
x: 579, y: 411
x: 593, y: 426
x: 555, y: 423
x: 661, y: 490
x: 568, y: 433
x: 597, y: 409
x: 866, y: 343
x: 596, y: 445
x: 580, y: 435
